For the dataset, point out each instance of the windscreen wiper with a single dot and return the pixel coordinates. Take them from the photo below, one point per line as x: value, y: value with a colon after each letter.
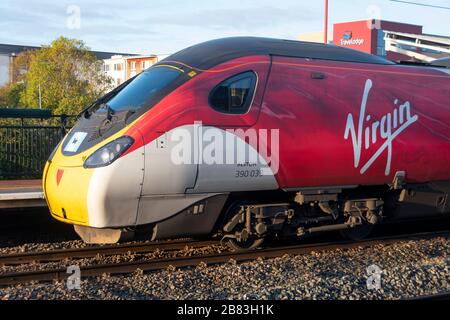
x: 87, y: 111
x: 109, y: 111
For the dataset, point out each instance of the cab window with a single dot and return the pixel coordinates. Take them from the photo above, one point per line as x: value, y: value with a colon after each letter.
x: 234, y: 95
x: 143, y: 88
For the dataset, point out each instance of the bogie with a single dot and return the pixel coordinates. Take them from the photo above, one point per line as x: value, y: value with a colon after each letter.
x: 247, y: 224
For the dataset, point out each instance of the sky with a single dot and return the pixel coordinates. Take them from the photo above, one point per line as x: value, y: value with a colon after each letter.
x: 166, y: 26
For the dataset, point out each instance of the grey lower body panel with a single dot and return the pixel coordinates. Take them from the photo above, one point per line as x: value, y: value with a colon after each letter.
x: 157, y: 208
x: 424, y: 200
x: 198, y: 219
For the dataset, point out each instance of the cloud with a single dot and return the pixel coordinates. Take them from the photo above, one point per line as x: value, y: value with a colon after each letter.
x: 249, y: 18
x: 164, y: 26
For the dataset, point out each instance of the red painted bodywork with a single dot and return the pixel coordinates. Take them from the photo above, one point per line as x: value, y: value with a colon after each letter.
x: 59, y: 175
x: 311, y: 115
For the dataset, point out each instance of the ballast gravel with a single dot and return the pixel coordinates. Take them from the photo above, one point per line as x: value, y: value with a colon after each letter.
x: 398, y: 271
x: 187, y: 251
x: 34, y: 246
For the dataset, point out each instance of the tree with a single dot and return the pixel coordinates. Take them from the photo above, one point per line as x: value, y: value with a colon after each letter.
x: 68, y: 75
x: 3, y: 99
x: 10, y: 95
x: 21, y: 65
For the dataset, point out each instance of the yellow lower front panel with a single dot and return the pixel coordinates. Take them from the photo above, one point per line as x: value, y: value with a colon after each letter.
x: 66, y: 189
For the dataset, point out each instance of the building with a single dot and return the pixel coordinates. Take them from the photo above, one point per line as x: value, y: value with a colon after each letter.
x: 121, y: 68
x: 312, y: 37
x: 392, y: 40
x: 419, y: 47
x: 163, y: 56
x: 8, y: 52
x: 5, y: 74
x: 114, y: 67
x: 137, y: 64
x: 368, y: 36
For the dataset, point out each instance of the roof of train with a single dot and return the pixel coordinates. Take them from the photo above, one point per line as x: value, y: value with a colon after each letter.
x: 211, y: 53
x: 444, y: 62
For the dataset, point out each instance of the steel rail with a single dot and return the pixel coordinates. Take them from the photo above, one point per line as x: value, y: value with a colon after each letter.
x: 182, y: 262
x: 90, y: 252
x: 443, y: 296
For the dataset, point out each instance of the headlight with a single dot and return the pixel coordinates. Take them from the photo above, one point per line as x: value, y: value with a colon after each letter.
x: 109, y: 153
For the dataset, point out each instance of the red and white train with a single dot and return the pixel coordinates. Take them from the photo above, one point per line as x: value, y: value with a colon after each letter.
x: 245, y: 138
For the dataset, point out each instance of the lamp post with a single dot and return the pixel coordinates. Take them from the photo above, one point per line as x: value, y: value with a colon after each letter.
x: 40, y: 96
x: 39, y: 84
x: 326, y: 23
x: 11, y: 68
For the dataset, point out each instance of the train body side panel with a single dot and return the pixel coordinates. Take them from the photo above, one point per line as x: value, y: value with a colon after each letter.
x: 360, y: 124
x: 326, y: 138
x: 187, y: 108
x: 189, y: 103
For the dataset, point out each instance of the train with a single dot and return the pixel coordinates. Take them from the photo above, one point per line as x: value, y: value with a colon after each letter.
x: 244, y: 139
x: 442, y: 62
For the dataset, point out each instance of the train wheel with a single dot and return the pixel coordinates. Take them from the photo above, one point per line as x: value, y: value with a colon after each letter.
x: 357, y: 233
x: 249, y: 244
x: 241, y: 240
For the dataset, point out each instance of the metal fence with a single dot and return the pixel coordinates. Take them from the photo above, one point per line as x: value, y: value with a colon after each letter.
x: 25, y: 147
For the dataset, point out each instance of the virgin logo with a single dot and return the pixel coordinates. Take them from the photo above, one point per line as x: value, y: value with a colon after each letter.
x: 369, y: 132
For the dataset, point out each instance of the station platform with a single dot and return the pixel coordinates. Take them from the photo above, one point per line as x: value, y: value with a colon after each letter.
x: 15, y: 194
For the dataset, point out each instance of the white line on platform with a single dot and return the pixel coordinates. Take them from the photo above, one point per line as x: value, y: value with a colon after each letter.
x: 21, y: 196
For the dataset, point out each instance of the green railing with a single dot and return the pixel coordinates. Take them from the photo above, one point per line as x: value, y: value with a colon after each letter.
x: 26, y: 141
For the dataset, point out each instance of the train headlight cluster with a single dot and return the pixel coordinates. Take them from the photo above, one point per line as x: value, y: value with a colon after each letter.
x: 109, y: 153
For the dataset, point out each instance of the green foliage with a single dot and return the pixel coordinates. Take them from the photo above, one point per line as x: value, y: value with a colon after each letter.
x: 10, y: 95
x: 14, y: 93
x: 3, y: 100
x: 20, y: 66
x: 70, y: 77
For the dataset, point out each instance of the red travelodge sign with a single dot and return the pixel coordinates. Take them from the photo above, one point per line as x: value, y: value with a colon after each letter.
x: 347, y: 39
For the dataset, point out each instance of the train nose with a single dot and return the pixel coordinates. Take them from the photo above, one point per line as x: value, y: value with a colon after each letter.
x: 87, y: 190
x: 66, y: 184
x: 66, y: 191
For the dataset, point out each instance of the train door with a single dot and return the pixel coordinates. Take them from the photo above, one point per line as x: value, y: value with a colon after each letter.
x: 165, y: 174
x: 228, y: 153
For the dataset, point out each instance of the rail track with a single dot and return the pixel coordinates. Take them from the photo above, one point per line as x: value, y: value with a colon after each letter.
x: 179, y: 262
x: 435, y: 297
x: 90, y: 252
